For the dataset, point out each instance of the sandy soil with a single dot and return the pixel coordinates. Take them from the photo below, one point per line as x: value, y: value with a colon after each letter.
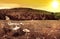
x: 39, y: 29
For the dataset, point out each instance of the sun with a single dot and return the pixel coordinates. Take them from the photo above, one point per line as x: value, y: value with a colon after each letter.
x: 55, y: 4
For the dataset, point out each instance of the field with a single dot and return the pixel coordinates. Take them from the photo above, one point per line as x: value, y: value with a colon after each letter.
x: 39, y: 29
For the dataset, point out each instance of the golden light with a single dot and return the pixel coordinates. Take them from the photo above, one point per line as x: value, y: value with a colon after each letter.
x: 8, y: 6
x: 55, y: 4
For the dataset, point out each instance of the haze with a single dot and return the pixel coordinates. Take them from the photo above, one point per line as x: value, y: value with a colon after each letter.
x: 48, y: 5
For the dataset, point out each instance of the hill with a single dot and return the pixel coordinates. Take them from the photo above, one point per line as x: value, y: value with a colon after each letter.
x: 26, y: 14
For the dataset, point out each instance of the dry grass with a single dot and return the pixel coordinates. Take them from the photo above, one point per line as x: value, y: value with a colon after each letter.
x: 39, y: 29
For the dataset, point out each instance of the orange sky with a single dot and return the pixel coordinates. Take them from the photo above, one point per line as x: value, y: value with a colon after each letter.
x: 38, y: 4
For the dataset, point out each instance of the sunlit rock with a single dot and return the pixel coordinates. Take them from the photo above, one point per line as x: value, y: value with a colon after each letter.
x: 15, y: 28
x: 13, y: 23
x: 26, y: 30
x: 21, y: 23
x: 7, y: 18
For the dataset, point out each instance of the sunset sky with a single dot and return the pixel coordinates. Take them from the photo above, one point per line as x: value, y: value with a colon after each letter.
x: 48, y: 5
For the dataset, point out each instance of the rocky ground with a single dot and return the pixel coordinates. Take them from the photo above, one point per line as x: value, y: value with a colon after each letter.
x: 27, y: 14
x: 30, y: 29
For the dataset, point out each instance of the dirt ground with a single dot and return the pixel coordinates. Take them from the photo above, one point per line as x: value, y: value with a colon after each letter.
x: 39, y: 29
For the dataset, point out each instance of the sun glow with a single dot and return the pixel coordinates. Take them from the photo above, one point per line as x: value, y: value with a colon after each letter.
x: 55, y: 4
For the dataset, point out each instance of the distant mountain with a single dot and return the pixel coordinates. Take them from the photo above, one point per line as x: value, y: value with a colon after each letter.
x: 26, y: 14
